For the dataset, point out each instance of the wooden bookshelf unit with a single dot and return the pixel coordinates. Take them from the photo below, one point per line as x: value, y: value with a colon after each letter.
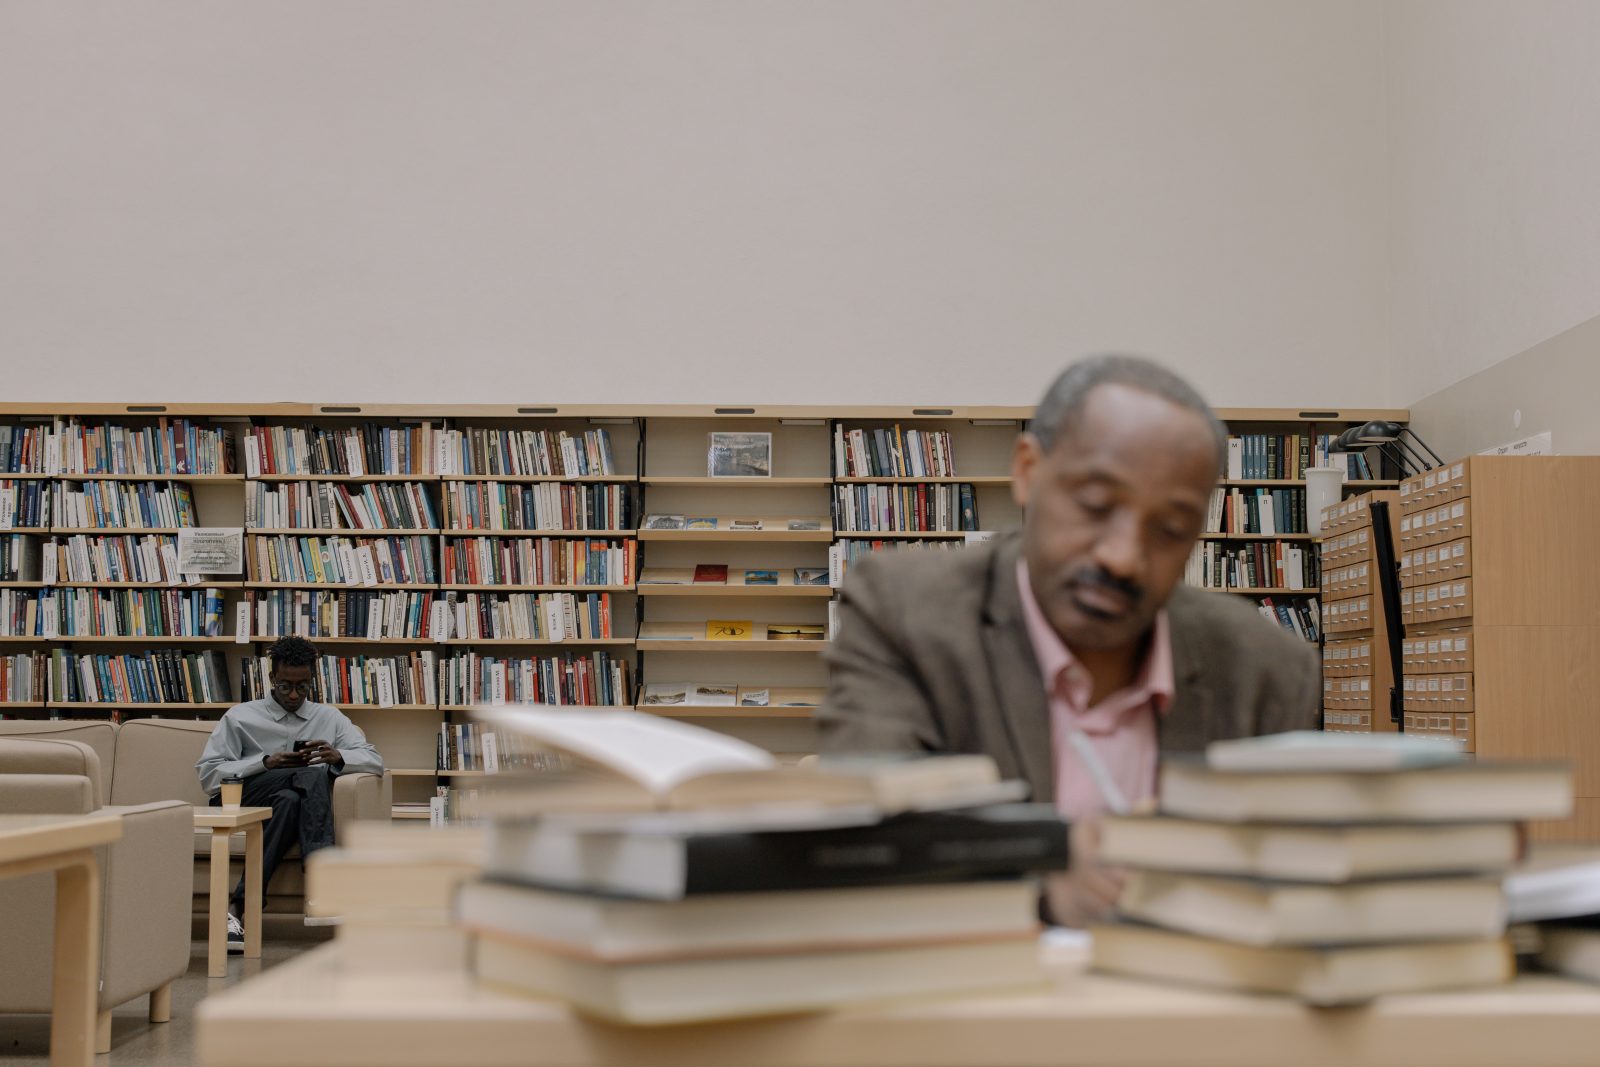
x: 797, y: 516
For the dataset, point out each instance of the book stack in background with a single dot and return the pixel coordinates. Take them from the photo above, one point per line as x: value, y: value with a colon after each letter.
x: 693, y: 878
x: 1553, y: 900
x: 1328, y: 867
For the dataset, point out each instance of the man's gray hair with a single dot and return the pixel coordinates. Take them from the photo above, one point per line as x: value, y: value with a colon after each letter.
x: 1063, y: 401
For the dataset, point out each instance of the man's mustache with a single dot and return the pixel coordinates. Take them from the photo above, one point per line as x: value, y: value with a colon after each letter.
x: 1097, y: 576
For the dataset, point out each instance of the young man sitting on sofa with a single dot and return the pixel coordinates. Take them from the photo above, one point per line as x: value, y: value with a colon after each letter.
x: 287, y: 748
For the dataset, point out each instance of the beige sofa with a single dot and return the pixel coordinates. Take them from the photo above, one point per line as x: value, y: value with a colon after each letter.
x: 154, y: 759
x: 146, y: 886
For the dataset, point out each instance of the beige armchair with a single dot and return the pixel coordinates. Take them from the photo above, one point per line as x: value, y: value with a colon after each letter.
x: 156, y: 758
x: 146, y: 886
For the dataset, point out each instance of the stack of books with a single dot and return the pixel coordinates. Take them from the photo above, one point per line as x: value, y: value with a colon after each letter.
x: 692, y: 878
x: 1553, y: 900
x: 1331, y: 867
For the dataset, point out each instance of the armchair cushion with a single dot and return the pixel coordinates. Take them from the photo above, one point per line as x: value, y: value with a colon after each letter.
x: 46, y: 794
x: 98, y: 734
x: 47, y: 756
x: 156, y: 758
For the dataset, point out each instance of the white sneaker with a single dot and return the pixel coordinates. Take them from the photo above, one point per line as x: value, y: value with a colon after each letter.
x: 235, y: 935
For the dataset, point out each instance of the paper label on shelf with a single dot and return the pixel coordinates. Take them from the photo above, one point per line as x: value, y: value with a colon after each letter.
x: 210, y: 550
x: 1537, y: 445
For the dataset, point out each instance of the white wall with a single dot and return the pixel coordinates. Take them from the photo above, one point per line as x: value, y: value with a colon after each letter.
x: 1552, y: 386
x: 812, y: 201
x: 1494, y: 157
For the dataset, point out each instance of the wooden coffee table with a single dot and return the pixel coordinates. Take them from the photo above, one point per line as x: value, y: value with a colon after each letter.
x: 223, y: 824
x: 31, y: 844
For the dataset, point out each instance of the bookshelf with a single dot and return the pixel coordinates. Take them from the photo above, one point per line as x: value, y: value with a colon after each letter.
x: 1499, y: 580
x: 469, y: 453
x: 1257, y: 542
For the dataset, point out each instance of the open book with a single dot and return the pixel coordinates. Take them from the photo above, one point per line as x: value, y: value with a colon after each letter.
x: 640, y: 762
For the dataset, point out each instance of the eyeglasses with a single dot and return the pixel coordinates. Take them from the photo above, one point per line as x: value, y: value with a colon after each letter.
x: 291, y: 688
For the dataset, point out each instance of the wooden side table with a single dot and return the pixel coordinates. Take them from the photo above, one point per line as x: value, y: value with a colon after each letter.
x: 31, y: 844
x: 223, y: 824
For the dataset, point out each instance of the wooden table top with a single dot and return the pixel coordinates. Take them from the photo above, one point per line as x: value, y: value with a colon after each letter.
x: 229, y: 818
x: 26, y: 837
x: 343, y: 1014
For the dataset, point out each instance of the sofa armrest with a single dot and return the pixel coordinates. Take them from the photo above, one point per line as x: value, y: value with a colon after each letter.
x: 149, y: 879
x: 360, y: 796
x: 46, y: 794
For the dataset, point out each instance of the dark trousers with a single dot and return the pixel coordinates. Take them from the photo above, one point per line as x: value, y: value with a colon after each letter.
x: 301, y: 799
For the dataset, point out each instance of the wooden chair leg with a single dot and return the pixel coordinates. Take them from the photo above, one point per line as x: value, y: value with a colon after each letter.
x: 102, y: 1033
x: 161, y: 1004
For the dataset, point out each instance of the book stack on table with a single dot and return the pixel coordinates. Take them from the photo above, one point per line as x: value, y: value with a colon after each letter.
x: 691, y: 878
x: 1331, y: 867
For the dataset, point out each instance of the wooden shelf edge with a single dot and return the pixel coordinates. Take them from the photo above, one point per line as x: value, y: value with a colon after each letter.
x: 684, y: 711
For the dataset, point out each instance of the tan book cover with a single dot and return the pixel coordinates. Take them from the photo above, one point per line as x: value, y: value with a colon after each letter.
x: 730, y: 629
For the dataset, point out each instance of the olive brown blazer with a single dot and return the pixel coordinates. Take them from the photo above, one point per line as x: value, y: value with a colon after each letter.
x: 932, y: 655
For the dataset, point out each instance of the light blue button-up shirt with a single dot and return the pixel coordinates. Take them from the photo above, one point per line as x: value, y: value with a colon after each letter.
x: 251, y: 731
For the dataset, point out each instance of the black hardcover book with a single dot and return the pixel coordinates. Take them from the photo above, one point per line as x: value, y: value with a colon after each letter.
x: 999, y: 841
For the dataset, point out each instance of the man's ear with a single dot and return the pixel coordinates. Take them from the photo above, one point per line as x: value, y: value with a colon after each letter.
x: 1026, y: 456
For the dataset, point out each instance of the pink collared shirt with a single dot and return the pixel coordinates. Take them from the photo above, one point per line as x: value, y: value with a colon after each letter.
x: 1121, y: 728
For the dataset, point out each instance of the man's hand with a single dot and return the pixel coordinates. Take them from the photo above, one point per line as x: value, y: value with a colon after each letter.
x: 320, y: 754
x: 1087, y: 892
x: 284, y: 759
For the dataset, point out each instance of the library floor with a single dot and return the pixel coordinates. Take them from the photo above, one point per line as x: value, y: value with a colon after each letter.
x: 135, y: 1041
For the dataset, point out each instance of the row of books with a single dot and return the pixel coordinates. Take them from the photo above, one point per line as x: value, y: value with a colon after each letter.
x: 378, y: 681
x: 24, y: 504
x: 112, y: 558
x: 541, y: 506
x: 176, y: 446
x: 370, y: 449
x: 526, y: 453
x: 354, y: 450
x: 130, y: 613
x: 124, y: 505
x: 159, y: 676
x: 1262, y: 565
x: 339, y: 506
x: 24, y: 678
x: 19, y: 558
x: 1257, y: 511
x: 343, y: 560
x: 894, y: 453
x: 902, y: 508
x: 524, y: 617
x: 539, y: 561
x: 1303, y: 618
x: 843, y: 553
x: 593, y: 678
x: 313, y: 613
x: 1288, y: 455
x: 426, y: 678
x: 472, y: 746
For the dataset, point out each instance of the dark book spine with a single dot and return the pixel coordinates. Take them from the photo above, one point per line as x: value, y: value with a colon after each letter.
x: 910, y: 850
